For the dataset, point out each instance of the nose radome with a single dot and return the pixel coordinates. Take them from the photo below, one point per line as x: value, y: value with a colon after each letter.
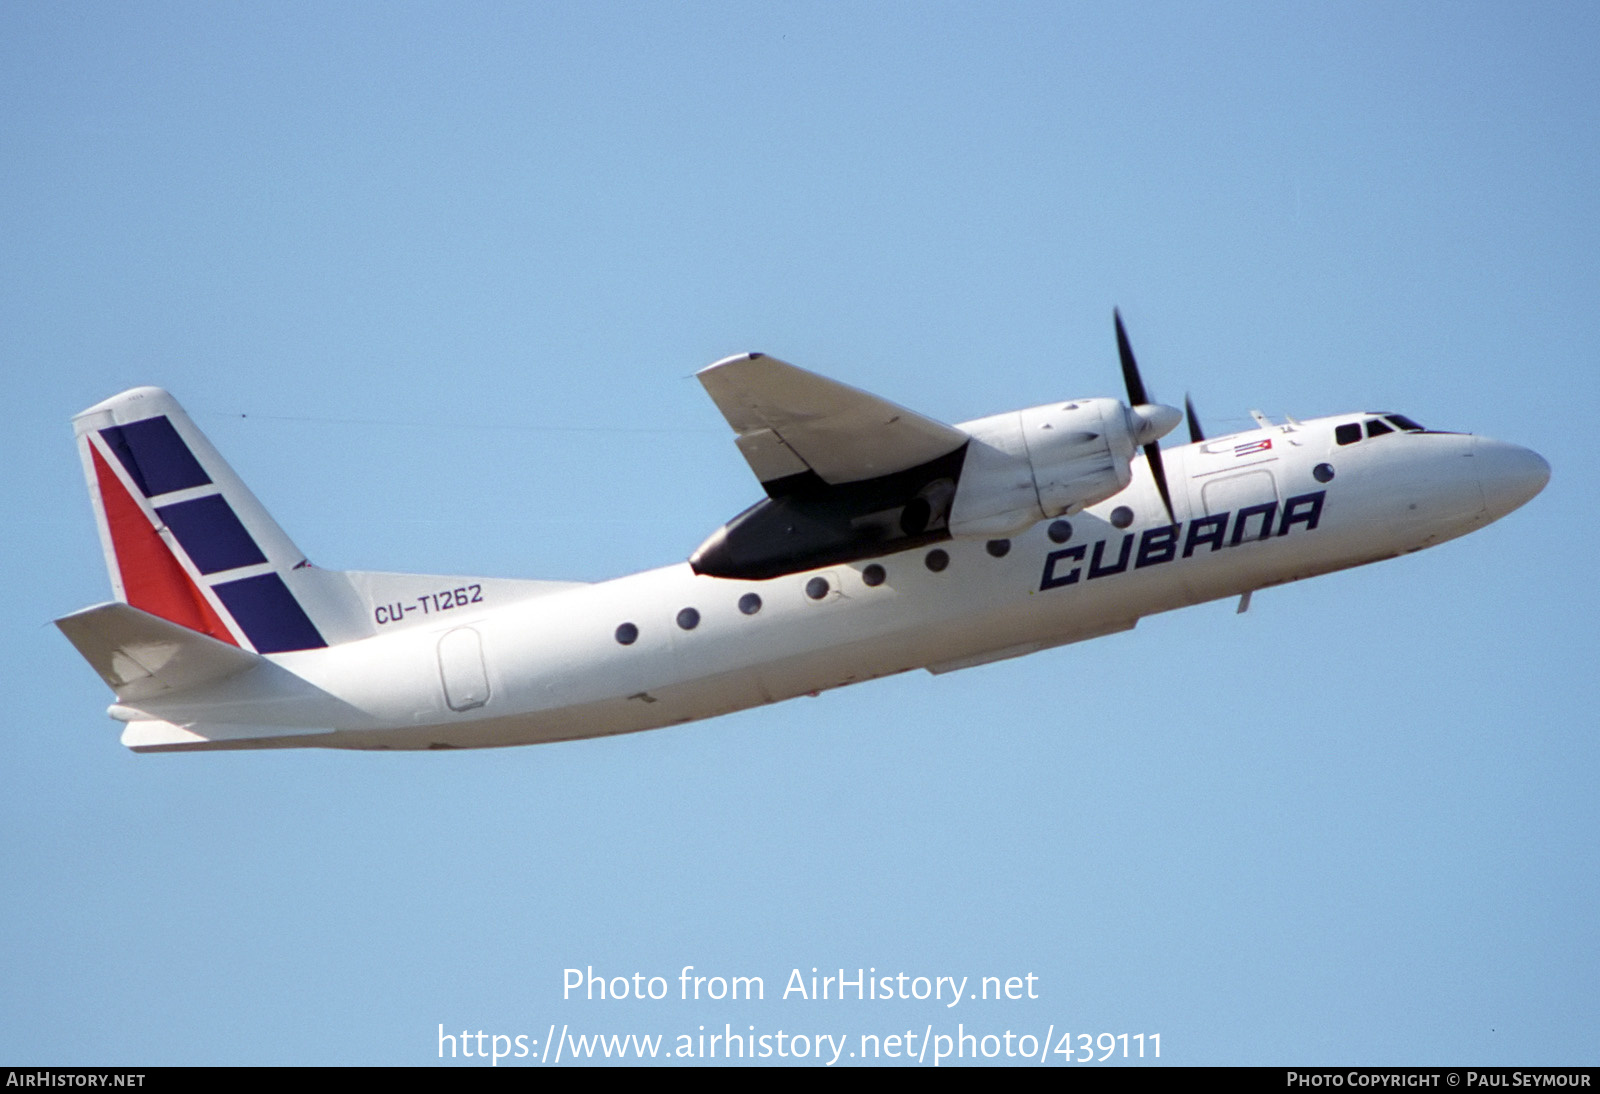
x: 1508, y: 474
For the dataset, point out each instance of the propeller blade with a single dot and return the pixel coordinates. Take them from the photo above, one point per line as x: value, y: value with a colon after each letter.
x: 1196, y: 434
x: 1138, y: 396
x: 1130, y: 368
x: 1158, y: 471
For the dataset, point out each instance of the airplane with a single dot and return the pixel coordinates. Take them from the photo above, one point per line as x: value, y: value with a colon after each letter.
x: 886, y: 541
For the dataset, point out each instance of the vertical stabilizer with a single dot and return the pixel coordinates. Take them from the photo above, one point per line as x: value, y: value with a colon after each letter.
x: 186, y: 540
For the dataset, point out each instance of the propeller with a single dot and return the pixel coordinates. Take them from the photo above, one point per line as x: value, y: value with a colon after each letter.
x: 1196, y: 434
x: 1148, y: 421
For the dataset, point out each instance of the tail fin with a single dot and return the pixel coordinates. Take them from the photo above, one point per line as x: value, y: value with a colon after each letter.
x: 185, y: 540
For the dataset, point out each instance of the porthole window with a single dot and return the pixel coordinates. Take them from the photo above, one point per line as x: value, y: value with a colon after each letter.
x: 998, y: 548
x: 627, y: 634
x: 688, y: 619
x: 937, y: 560
x: 1121, y: 516
x: 874, y: 575
x: 817, y: 588
x: 1059, y: 531
x: 1323, y: 472
x: 750, y: 603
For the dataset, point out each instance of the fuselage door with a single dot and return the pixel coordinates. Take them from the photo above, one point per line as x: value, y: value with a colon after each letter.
x: 1246, y: 490
x: 461, y: 669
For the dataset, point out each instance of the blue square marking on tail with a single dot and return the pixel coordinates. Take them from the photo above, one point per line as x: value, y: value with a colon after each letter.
x: 270, y: 615
x: 155, y: 456
x: 212, y: 534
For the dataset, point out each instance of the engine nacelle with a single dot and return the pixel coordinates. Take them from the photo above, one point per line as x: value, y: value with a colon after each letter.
x: 1013, y: 471
x: 1031, y: 465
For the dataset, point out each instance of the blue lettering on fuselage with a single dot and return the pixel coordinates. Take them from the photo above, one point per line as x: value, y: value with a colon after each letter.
x: 1160, y: 544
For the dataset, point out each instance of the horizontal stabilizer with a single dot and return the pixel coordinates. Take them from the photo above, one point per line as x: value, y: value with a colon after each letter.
x: 142, y: 656
x: 153, y: 735
x: 789, y: 421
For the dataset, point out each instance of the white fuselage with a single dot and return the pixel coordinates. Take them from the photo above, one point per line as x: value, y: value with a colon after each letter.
x: 1251, y: 509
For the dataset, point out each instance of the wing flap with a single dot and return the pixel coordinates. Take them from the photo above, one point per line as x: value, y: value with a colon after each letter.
x: 789, y: 420
x: 768, y: 456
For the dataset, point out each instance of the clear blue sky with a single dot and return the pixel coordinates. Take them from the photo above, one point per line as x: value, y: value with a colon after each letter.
x: 434, y: 278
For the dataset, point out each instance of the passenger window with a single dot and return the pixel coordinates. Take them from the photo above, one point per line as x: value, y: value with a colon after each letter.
x: 1349, y: 433
x: 1375, y: 427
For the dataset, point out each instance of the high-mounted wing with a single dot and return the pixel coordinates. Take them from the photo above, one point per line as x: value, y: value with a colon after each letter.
x: 790, y: 421
x: 848, y: 475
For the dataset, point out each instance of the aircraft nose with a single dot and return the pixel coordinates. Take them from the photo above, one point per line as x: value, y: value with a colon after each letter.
x: 1508, y: 474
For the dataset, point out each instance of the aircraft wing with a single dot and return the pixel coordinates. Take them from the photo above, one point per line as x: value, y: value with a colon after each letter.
x: 790, y: 421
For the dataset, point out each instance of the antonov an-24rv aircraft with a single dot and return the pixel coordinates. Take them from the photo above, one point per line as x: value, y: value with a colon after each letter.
x: 887, y: 541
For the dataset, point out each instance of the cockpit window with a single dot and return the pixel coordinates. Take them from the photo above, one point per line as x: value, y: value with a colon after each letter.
x: 1350, y: 432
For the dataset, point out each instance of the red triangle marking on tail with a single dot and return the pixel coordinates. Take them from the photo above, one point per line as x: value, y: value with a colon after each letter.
x: 152, y: 580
